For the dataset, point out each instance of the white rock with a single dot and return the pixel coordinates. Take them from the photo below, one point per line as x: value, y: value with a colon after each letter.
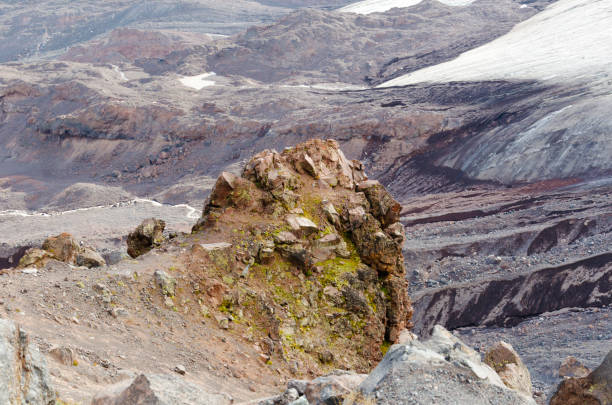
x: 209, y: 247
x: 29, y: 270
x: 299, y: 223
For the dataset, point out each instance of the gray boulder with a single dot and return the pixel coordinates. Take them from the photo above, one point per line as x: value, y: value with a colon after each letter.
x: 24, y: 378
x: 153, y: 389
x: 88, y: 257
x: 332, y: 389
x: 440, y: 371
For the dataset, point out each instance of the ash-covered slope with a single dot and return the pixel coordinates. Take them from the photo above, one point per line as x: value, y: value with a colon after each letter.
x: 380, y: 6
x: 122, y: 115
x: 564, y: 132
x: 315, y: 46
x: 43, y: 28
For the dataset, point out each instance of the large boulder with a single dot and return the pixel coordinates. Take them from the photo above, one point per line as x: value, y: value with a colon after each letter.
x: 24, y: 378
x: 320, y: 159
x: 441, y: 370
x: 507, y: 363
x: 64, y: 248
x: 332, y: 388
x: 325, y: 259
x: 148, y: 234
x: 35, y: 257
x: 152, y: 389
x: 594, y: 389
x: 88, y: 257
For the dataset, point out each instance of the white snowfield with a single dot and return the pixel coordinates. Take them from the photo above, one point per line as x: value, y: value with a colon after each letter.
x: 569, y: 40
x: 198, y: 82
x: 380, y: 6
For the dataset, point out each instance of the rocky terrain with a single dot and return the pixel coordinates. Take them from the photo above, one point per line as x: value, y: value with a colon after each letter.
x: 491, y: 212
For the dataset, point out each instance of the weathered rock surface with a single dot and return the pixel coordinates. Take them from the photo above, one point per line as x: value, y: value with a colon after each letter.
x: 441, y: 370
x: 156, y: 389
x: 63, y: 248
x: 594, y: 389
x: 299, y: 36
x: 63, y: 355
x: 24, y: 378
x: 507, y: 363
x: 329, y: 389
x: 327, y: 277
x: 89, y: 258
x: 146, y: 236
x: 332, y: 388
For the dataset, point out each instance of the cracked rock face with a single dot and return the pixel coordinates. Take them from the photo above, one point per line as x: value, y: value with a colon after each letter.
x: 24, y: 378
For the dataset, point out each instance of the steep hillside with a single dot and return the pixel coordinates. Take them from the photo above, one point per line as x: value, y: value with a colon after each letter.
x: 295, y: 268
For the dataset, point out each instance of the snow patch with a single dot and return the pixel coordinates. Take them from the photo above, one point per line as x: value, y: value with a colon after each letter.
x: 380, y: 6
x: 191, y: 212
x: 198, y: 82
x: 570, y: 39
x: 326, y: 86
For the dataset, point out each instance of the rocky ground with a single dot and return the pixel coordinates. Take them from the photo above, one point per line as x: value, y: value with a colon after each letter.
x: 546, y: 340
x: 111, y: 114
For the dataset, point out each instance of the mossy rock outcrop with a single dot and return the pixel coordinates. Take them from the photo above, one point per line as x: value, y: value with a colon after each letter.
x: 315, y: 272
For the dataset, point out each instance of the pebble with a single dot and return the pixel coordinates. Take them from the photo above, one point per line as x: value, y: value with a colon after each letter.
x: 180, y: 369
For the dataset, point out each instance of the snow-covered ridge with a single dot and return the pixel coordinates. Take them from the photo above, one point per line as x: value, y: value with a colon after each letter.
x: 571, y: 39
x: 380, y: 6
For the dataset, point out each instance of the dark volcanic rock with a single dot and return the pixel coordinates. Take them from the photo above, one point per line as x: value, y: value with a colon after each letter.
x: 145, y: 237
x: 594, y: 389
x: 585, y: 283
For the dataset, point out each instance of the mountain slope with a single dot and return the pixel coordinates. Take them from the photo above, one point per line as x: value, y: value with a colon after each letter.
x: 564, y: 131
x: 380, y: 6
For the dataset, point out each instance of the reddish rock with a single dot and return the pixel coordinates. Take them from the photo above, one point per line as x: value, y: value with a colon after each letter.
x: 64, y: 247
x: 594, y: 389
x: 571, y: 367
